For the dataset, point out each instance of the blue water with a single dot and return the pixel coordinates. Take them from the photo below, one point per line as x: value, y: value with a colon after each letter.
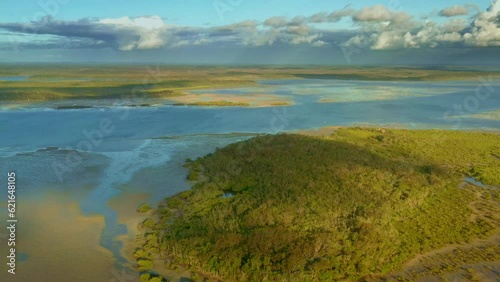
x: 114, y: 149
x: 13, y: 78
x: 472, y: 180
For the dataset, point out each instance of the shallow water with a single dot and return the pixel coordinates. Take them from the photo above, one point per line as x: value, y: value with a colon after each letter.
x: 99, y: 153
x: 13, y: 78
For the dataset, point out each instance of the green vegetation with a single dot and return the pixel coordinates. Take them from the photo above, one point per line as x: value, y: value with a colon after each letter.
x: 143, y: 208
x: 57, y: 82
x: 359, y: 203
x: 144, y: 264
x: 194, y: 170
x: 454, y: 260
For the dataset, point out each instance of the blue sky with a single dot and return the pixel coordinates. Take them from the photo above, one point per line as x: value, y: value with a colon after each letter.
x: 176, y: 30
x: 200, y: 12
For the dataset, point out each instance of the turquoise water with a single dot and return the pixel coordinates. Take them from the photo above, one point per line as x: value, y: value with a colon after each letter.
x: 114, y: 148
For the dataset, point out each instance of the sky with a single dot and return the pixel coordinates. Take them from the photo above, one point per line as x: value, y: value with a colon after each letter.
x: 296, y: 32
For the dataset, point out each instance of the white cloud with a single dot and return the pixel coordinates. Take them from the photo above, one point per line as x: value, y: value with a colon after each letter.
x: 455, y: 25
x: 449, y: 37
x: 377, y: 13
x: 262, y: 39
x: 358, y: 41
x: 298, y: 29
x: 454, y: 11
x: 304, y: 39
x: 391, y: 30
x: 318, y: 18
x: 388, y: 40
x: 375, y: 27
x: 318, y: 43
x: 138, y: 33
x: 338, y: 15
x: 485, y: 29
x: 276, y: 22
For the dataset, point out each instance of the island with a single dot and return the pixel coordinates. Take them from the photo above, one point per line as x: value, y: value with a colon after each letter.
x: 137, y: 84
x: 360, y: 204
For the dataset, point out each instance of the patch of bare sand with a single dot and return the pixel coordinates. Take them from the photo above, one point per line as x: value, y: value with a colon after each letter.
x: 226, y: 100
x: 126, y: 206
x: 61, y: 244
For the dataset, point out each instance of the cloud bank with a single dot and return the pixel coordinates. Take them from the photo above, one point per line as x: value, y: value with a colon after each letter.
x: 374, y: 27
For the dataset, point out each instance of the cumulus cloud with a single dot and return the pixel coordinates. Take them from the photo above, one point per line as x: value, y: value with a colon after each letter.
x: 138, y: 33
x: 485, y: 29
x: 296, y: 30
x: 276, y: 22
x: 374, y: 27
x: 249, y: 24
x: 305, y: 39
x: 336, y: 16
x: 393, y: 30
x: 357, y: 41
x: 126, y: 33
x: 319, y: 18
x: 454, y: 11
x: 377, y: 13
x: 455, y: 25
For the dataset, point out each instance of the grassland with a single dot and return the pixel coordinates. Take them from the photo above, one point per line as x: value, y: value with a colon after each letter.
x: 58, y: 82
x: 358, y: 204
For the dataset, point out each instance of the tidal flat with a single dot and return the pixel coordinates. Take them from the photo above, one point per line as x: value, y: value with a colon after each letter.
x: 58, y: 241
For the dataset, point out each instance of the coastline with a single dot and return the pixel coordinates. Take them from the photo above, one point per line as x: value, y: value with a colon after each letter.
x: 124, y: 82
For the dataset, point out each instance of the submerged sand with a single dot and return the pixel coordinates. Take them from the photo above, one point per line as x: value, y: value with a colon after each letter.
x: 125, y: 204
x: 492, y: 115
x: 223, y: 100
x: 59, y: 243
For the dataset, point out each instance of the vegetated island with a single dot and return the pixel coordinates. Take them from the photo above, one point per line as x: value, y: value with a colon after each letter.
x: 43, y: 82
x: 357, y: 205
